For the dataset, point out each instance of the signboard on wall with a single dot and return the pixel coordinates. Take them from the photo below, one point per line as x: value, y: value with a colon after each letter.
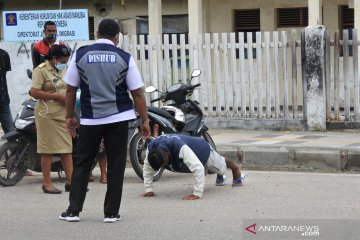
x: 20, y: 26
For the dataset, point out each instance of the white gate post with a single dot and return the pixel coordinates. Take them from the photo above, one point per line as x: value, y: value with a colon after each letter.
x: 314, y: 78
x: 315, y: 12
x: 155, y: 29
x: 355, y: 4
x: 195, y: 28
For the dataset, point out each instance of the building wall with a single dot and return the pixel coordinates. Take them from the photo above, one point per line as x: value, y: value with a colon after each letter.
x: 217, y: 15
x: 220, y: 13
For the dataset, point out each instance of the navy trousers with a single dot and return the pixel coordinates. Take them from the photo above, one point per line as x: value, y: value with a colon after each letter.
x: 115, y: 141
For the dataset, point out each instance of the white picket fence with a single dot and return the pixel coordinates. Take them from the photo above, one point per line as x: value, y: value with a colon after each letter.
x: 246, y: 79
x: 342, y: 81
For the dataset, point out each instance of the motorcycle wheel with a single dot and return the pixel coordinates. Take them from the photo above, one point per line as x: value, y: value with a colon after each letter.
x: 209, y: 139
x: 137, y: 156
x: 12, y: 169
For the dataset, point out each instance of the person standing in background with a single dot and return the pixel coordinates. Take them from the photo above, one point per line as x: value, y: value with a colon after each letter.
x: 5, y: 113
x: 101, y: 159
x: 49, y: 88
x: 40, y: 49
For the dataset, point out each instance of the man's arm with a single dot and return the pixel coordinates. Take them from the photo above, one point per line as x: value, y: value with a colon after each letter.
x: 8, y: 63
x: 135, y: 84
x: 71, y: 122
x: 35, y: 55
x: 197, y: 168
x: 148, y: 175
x: 140, y: 103
x: 40, y: 94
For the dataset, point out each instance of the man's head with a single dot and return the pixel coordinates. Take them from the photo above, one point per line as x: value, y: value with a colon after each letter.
x: 109, y: 29
x: 158, y: 158
x: 50, y: 32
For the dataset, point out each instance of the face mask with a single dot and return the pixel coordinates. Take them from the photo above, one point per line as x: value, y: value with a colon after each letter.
x: 51, y: 36
x: 60, y: 66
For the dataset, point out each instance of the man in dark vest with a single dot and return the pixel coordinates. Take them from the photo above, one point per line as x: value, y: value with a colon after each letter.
x: 104, y: 74
x: 185, y: 154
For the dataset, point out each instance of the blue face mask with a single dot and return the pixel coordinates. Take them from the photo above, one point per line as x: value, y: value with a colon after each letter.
x: 60, y: 66
x: 51, y: 36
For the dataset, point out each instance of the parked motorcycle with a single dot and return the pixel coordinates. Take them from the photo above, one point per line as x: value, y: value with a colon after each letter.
x: 19, y: 152
x: 182, y: 116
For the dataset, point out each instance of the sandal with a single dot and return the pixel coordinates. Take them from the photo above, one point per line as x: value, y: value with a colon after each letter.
x: 52, y: 191
x: 103, y: 180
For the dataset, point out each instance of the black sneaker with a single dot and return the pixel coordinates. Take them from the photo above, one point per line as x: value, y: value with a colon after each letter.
x: 69, y: 217
x: 111, y: 218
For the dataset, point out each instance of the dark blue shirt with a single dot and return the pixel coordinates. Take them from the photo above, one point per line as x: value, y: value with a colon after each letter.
x: 4, y: 67
x: 173, y: 143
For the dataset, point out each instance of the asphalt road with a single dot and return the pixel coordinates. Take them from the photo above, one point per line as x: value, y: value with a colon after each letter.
x: 27, y: 213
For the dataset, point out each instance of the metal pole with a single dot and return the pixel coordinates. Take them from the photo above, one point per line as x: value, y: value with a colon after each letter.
x: 60, y: 4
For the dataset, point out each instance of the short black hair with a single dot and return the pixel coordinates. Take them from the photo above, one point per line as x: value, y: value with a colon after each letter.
x: 49, y: 23
x: 57, y: 50
x: 108, y: 28
x: 156, y: 158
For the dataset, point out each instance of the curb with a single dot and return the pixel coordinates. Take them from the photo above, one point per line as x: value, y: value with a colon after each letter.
x: 292, y: 158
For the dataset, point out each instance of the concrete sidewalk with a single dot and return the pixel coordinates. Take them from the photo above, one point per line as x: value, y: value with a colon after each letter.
x: 285, y: 150
x: 324, y: 151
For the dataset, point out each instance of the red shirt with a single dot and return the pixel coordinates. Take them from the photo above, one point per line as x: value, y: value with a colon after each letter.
x: 39, y: 52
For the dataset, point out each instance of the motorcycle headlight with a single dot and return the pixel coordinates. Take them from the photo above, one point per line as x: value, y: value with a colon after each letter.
x: 22, y: 123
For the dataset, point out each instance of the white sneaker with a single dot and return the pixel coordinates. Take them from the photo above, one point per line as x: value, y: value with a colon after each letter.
x: 111, y: 218
x: 221, y: 181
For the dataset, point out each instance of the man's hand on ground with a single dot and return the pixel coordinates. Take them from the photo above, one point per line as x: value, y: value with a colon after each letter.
x: 149, y: 194
x: 190, y: 197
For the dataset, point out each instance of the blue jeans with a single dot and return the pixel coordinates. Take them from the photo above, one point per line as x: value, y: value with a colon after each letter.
x: 6, y: 119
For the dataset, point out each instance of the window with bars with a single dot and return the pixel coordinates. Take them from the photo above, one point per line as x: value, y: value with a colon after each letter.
x: 247, y: 20
x: 346, y: 21
x: 171, y: 24
x: 346, y: 17
x: 292, y: 17
x: 91, y: 28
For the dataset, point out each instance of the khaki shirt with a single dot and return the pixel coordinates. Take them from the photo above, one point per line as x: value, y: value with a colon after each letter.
x: 50, y: 114
x: 46, y: 78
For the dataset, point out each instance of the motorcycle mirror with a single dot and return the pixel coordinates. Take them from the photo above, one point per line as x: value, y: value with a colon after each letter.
x: 150, y: 89
x: 195, y: 73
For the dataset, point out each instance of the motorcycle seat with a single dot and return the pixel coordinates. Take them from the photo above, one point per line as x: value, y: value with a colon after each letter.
x: 161, y: 112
